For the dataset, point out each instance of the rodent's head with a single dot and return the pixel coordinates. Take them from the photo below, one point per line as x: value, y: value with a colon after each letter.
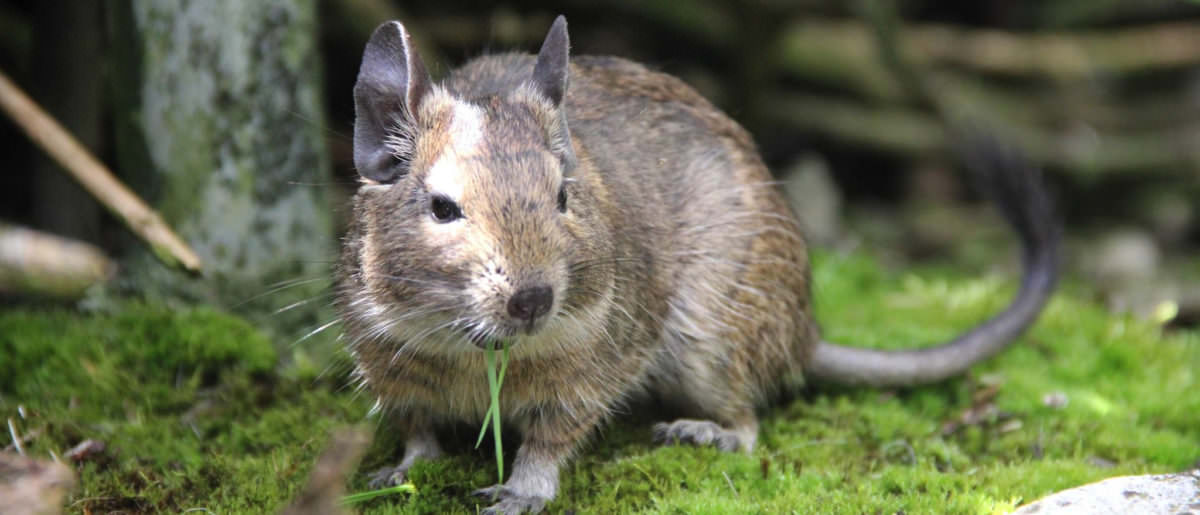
x: 468, y: 219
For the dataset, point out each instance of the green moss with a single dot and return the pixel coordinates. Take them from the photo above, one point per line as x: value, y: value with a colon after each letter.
x: 187, y: 403
x: 141, y: 351
x: 195, y: 417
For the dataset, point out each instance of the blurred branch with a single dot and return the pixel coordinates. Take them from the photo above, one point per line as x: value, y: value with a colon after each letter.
x: 33, y: 262
x: 327, y: 481
x: 1075, y: 55
x: 914, y: 133
x: 837, y: 49
x: 896, y: 130
x: 1071, y: 127
x: 95, y: 177
x: 1030, y: 104
x: 884, y: 17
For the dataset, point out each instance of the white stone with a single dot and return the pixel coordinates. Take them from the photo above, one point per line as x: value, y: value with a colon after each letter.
x: 1167, y: 494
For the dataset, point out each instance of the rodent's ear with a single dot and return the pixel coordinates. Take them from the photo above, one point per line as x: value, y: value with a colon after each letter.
x: 550, y: 72
x: 392, y: 82
x: 550, y: 80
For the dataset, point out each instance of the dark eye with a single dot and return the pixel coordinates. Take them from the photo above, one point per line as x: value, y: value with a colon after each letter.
x: 444, y: 210
x: 562, y: 198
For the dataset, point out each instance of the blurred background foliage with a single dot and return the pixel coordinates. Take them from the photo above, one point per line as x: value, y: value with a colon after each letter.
x: 1105, y: 94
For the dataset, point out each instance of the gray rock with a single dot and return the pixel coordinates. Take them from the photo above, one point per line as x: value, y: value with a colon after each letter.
x: 1126, y: 255
x: 1124, y: 265
x: 1171, y: 213
x: 815, y: 198
x: 1167, y: 494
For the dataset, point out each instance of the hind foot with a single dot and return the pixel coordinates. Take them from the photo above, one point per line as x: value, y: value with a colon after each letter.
x: 389, y: 476
x: 421, y: 445
x: 705, y: 432
x: 398, y: 474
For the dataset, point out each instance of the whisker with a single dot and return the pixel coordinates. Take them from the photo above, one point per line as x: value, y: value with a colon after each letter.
x: 411, y: 280
x: 324, y: 128
x: 317, y: 330
x: 297, y: 304
x: 320, y: 184
x: 278, y: 287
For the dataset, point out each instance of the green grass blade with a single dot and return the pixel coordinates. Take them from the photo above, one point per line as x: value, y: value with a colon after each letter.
x: 487, y: 420
x: 494, y: 411
x: 492, y: 417
x: 503, y: 369
x: 406, y: 488
x: 490, y: 358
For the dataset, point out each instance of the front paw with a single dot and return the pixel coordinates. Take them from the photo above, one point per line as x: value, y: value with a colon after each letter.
x: 510, y: 502
x: 389, y: 476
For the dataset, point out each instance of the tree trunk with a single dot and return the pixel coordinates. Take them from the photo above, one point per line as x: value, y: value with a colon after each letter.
x: 219, y: 125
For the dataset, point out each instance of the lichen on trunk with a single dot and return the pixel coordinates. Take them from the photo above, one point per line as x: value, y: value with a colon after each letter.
x: 224, y: 137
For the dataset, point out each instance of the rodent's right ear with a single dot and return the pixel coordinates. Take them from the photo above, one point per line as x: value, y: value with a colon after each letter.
x: 550, y: 70
x: 392, y: 83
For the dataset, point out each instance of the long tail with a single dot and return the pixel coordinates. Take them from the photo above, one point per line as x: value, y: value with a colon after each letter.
x: 1016, y: 187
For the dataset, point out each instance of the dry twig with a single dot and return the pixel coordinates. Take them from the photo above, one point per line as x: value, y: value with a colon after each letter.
x: 95, y: 177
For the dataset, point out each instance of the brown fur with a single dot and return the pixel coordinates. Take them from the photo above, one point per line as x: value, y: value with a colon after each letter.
x: 676, y: 270
x: 682, y: 242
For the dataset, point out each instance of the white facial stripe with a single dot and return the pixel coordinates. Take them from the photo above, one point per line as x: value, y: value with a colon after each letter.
x: 466, y: 129
x: 447, y: 174
x: 446, y: 178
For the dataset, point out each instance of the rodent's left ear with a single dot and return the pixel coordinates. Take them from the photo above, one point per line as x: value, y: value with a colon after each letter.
x: 550, y: 72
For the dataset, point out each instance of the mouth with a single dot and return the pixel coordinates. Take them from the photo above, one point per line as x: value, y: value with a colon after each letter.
x: 507, y: 337
x: 496, y: 335
x: 487, y: 342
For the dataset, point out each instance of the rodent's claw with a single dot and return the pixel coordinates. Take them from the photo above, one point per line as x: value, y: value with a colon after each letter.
x: 696, y: 432
x: 388, y: 477
x: 490, y: 493
x: 509, y: 501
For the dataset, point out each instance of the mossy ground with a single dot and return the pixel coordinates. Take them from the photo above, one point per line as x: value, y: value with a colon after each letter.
x: 195, y: 415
